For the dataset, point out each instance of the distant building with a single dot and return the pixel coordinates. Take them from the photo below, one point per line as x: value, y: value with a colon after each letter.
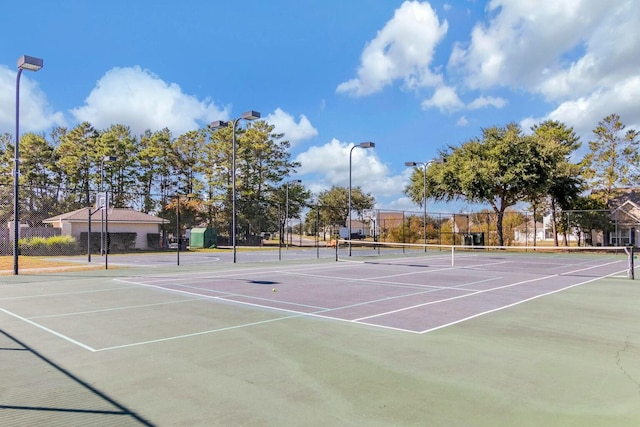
x: 119, y: 221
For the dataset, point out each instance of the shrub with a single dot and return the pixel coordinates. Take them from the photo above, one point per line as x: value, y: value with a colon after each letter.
x: 43, y: 246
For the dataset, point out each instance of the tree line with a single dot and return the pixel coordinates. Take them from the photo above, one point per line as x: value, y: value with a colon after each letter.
x: 504, y: 167
x: 161, y: 174
x: 156, y: 173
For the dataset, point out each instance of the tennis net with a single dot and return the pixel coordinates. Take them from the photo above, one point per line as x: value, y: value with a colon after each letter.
x: 547, y: 260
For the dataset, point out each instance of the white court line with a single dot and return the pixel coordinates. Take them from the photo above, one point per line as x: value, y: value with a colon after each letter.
x: 515, y: 303
x: 294, y: 315
x: 234, y: 273
x: 480, y: 292
x: 195, y: 334
x: 377, y: 281
x: 161, y: 263
x: 456, y: 297
x: 51, y: 331
x: 226, y: 294
x: 55, y: 294
x: 103, y: 310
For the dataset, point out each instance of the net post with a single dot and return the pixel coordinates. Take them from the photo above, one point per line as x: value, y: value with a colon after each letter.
x: 630, y: 272
x: 453, y: 249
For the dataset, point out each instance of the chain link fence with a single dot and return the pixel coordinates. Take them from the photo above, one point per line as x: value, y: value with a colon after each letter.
x: 55, y: 221
x: 618, y: 227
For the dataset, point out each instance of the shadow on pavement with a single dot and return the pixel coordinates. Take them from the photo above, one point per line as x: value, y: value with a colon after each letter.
x: 37, y: 391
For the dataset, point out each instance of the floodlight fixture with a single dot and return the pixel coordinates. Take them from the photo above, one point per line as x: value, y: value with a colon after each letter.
x: 250, y: 115
x: 218, y: 124
x: 30, y: 63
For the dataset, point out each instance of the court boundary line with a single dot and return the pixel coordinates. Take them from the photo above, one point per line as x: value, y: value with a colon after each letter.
x: 49, y: 330
x: 295, y: 314
x: 536, y: 279
x: 377, y: 281
x: 104, y: 310
x: 426, y: 331
x: 66, y: 293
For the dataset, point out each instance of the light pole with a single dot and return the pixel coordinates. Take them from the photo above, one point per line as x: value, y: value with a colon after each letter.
x: 30, y: 63
x: 425, y: 165
x: 105, y: 159
x: 248, y: 115
x: 102, y: 239
x: 361, y: 145
x: 286, y: 219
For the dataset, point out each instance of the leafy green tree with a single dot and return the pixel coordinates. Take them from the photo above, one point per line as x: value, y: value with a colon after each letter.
x: 6, y: 154
x: 216, y: 178
x: 120, y: 176
x: 37, y: 172
x: 502, y: 168
x: 263, y: 163
x: 613, y: 160
x: 276, y: 205
x: 187, y: 150
x: 77, y: 161
x: 155, y: 157
x: 6, y: 166
x: 590, y: 214
x: 334, y: 204
x: 37, y: 161
x: 565, y: 183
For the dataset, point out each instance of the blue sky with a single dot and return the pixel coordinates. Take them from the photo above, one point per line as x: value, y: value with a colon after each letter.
x: 411, y: 76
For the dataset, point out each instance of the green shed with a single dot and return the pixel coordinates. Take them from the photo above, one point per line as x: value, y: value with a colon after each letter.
x: 203, y: 238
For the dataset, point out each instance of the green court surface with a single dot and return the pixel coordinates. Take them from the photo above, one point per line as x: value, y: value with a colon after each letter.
x: 112, y: 348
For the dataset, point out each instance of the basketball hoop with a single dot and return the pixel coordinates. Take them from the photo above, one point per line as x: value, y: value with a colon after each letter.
x: 101, y: 201
x: 368, y: 214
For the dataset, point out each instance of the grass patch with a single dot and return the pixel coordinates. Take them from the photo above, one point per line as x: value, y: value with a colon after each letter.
x: 41, y: 264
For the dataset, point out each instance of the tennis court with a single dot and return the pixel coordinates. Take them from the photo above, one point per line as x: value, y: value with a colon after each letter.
x: 395, y: 337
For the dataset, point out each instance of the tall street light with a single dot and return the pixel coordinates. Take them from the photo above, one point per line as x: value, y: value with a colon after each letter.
x: 361, y: 145
x: 32, y: 64
x: 286, y: 219
x: 102, y: 238
x: 248, y: 115
x: 424, y: 187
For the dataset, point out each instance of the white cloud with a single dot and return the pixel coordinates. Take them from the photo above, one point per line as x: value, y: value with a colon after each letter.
x: 584, y: 113
x: 445, y: 99
x: 487, y: 101
x: 402, y: 204
x: 141, y: 100
x: 403, y: 49
x: 329, y: 164
x: 35, y: 112
x: 567, y: 48
x: 581, y: 56
x: 610, y: 54
x: 462, y: 121
x: 293, y: 132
